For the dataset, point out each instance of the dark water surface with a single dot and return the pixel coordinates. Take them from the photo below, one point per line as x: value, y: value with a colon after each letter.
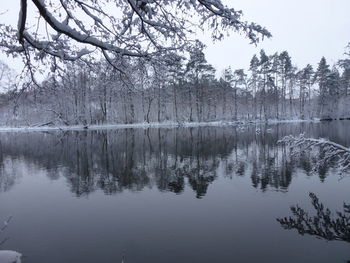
x: 166, y: 195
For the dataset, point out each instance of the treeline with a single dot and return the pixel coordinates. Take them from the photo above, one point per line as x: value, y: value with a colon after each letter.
x: 181, y: 90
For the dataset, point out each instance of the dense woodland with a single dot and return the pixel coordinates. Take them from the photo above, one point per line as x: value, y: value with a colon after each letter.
x: 112, y: 62
x: 185, y: 91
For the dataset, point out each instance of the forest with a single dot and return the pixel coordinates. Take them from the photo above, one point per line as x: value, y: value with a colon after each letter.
x: 178, y: 91
x: 84, y: 64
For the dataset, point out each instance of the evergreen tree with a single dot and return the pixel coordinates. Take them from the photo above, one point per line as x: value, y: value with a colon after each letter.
x: 199, y: 72
x: 305, y: 79
x: 264, y: 71
x: 320, y: 77
x: 285, y: 69
x: 254, y: 81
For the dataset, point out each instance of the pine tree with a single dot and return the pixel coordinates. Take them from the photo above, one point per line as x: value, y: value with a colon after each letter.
x: 239, y: 83
x: 285, y: 65
x: 264, y: 71
x: 253, y: 81
x: 198, y: 71
x: 333, y: 91
x: 305, y: 79
x: 320, y: 77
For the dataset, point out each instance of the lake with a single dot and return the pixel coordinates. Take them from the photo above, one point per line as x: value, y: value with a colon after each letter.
x: 209, y: 194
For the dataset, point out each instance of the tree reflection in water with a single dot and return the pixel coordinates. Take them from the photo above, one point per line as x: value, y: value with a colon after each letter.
x: 324, y: 224
x: 168, y: 159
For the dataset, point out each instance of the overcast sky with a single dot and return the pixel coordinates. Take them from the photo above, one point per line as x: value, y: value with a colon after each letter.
x: 307, y: 29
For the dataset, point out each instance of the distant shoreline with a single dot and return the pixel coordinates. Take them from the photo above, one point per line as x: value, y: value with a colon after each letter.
x: 147, y: 125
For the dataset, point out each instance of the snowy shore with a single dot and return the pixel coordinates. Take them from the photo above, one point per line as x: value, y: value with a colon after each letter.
x: 146, y: 125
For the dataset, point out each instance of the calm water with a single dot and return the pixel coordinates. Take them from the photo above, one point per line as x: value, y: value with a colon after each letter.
x: 166, y: 195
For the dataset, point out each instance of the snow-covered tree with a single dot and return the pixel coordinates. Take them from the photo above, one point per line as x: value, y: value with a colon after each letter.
x: 72, y: 29
x: 254, y: 82
x: 239, y: 87
x: 305, y: 82
x: 345, y: 77
x: 198, y: 73
x: 285, y: 72
x: 320, y: 77
x: 264, y: 71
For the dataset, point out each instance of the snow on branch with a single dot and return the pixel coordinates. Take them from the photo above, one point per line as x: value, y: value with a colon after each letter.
x: 71, y: 29
x: 324, y: 151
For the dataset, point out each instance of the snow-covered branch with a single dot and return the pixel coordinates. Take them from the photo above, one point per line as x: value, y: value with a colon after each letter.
x: 134, y: 28
x: 324, y: 151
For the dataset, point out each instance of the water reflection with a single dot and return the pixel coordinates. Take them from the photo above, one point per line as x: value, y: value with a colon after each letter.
x: 10, y: 173
x: 169, y: 159
x: 2, y: 229
x: 324, y: 224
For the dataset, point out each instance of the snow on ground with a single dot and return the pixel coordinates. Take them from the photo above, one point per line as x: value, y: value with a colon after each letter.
x: 146, y: 125
x: 8, y: 256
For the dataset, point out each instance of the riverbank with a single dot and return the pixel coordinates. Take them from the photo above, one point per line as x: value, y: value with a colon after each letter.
x: 147, y: 125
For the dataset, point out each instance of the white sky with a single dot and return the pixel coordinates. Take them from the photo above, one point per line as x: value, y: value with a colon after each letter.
x: 307, y: 29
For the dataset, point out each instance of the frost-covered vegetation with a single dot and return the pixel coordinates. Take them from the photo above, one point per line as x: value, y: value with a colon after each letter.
x: 136, y: 61
x: 186, y: 90
x: 72, y: 30
x: 322, y: 152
